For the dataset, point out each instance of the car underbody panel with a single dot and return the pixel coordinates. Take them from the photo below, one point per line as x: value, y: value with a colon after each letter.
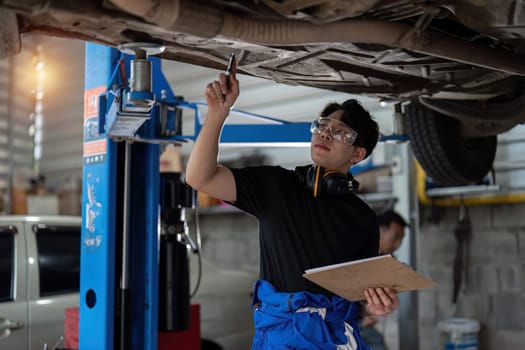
x: 391, y: 49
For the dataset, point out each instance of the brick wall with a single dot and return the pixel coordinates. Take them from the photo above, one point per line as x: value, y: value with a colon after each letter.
x: 493, y: 291
x: 230, y: 239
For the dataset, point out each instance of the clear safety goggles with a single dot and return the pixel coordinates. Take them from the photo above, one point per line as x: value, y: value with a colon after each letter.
x: 336, y: 128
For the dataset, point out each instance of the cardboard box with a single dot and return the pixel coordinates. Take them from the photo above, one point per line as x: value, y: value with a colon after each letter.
x: 18, y: 201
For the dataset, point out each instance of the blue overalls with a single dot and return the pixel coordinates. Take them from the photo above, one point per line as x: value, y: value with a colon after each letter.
x: 304, y: 321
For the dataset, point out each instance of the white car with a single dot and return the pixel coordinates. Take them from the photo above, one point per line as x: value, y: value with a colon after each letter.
x: 39, y: 279
x: 40, y: 274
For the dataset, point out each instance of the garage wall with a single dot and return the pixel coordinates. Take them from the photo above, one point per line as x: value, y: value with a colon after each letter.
x: 493, y: 289
x: 4, y: 124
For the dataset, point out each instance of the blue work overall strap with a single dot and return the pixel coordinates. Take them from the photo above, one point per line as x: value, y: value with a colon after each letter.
x: 303, y: 320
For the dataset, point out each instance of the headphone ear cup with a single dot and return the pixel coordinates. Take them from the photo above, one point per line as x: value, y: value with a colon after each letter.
x: 320, y: 183
x: 335, y: 183
x: 311, y: 176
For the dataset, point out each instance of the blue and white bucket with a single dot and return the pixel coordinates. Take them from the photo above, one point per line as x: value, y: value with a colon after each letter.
x: 459, y: 333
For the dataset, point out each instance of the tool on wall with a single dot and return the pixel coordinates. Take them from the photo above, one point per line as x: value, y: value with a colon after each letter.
x: 463, y: 234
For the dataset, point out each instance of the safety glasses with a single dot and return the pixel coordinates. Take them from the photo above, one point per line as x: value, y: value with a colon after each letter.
x: 336, y: 128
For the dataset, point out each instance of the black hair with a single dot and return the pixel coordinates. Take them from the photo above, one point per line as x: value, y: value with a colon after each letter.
x: 390, y: 216
x: 358, y: 118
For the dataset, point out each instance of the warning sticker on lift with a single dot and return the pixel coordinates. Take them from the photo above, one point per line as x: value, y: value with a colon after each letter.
x: 91, y: 101
x: 95, y: 151
x: 95, y: 145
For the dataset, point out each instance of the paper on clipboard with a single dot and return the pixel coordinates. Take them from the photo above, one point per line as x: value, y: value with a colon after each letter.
x: 349, y: 280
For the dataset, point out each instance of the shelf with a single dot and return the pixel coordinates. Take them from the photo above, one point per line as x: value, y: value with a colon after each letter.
x: 462, y: 190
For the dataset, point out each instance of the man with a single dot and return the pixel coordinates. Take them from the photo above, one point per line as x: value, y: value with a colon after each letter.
x: 307, y: 218
x: 391, y: 234
x: 391, y: 230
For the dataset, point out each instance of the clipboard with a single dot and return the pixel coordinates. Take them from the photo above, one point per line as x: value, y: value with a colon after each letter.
x: 350, y: 279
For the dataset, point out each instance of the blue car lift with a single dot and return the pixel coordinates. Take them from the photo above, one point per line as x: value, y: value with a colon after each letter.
x: 124, y: 127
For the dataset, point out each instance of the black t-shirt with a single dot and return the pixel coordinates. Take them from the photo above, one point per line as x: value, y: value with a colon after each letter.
x: 299, y: 232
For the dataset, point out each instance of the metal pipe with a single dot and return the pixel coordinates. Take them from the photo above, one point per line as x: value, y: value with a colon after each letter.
x: 124, y: 281
x: 140, y: 77
x: 124, y: 277
x: 11, y: 134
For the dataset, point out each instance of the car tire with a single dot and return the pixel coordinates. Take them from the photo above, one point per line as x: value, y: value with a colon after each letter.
x: 447, y: 158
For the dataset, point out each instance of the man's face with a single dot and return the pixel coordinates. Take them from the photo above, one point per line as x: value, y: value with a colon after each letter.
x: 330, y: 153
x: 390, y: 237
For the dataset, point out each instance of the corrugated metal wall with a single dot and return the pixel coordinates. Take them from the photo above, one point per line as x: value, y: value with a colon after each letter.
x: 63, y: 110
x: 16, y: 108
x: 4, y: 123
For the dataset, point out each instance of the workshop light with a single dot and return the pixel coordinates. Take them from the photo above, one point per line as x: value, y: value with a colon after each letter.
x: 37, y: 117
x: 39, y: 66
x: 38, y: 107
x: 37, y: 153
x: 39, y: 121
x: 387, y: 103
x: 38, y: 136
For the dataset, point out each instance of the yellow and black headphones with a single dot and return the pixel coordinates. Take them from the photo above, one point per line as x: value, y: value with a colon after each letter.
x: 323, y: 182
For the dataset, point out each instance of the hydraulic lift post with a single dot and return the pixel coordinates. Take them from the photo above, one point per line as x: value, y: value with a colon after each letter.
x: 118, y: 289
x: 124, y: 126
